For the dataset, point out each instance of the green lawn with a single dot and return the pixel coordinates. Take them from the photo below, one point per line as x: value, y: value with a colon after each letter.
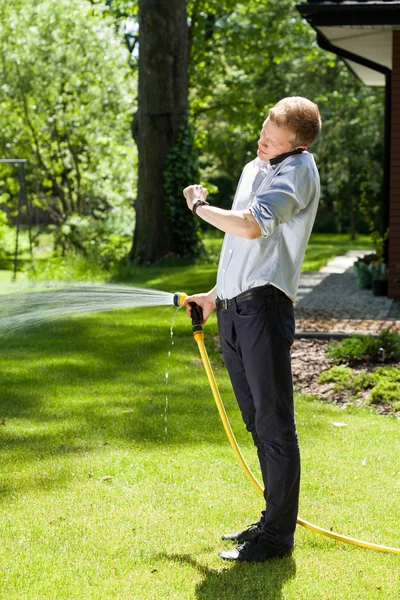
x: 106, y: 494
x: 324, y: 247
x: 200, y: 277
x: 109, y: 491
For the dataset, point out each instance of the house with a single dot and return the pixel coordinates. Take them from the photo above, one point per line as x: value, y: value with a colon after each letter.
x: 365, y: 34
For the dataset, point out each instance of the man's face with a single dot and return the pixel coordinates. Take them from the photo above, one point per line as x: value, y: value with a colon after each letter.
x: 273, y: 141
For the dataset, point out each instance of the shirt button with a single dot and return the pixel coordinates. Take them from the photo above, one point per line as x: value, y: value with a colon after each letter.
x: 230, y: 251
x: 223, y: 270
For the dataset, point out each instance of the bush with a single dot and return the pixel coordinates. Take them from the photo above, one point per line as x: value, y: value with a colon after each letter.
x: 72, y: 267
x: 384, y: 383
x: 385, y: 391
x: 340, y: 374
x: 345, y: 378
x: 362, y: 272
x: 103, y: 238
x: 358, y: 348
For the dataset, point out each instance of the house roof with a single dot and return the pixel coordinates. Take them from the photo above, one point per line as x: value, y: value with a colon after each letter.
x: 360, y: 31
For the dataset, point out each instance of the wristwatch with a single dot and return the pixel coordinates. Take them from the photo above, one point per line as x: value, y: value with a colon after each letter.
x: 199, y: 202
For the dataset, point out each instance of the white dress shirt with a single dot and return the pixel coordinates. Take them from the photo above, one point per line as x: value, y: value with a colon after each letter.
x: 282, y: 194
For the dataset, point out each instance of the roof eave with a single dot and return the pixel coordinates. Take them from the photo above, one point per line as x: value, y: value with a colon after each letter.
x: 355, y: 13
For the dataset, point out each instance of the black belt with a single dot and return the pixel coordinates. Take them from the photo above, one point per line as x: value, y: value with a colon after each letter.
x: 257, y: 292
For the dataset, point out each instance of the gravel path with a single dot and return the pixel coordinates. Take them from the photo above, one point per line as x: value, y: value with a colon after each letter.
x: 330, y: 301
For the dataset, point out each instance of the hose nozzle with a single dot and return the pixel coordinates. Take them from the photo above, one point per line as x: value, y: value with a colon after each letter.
x: 179, y: 298
x: 197, y: 312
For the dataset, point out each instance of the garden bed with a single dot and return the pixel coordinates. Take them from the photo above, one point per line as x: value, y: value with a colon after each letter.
x: 309, y: 361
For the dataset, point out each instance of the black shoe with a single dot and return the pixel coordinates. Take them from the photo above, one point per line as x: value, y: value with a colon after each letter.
x: 244, y: 536
x: 257, y: 550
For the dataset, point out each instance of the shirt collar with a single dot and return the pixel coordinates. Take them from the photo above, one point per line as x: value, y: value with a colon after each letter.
x: 277, y: 159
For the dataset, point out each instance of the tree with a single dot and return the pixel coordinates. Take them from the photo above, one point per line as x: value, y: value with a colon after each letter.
x: 163, y: 104
x: 66, y: 105
x: 244, y: 57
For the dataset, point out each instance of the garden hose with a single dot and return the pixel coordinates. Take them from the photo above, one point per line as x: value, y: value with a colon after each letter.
x: 198, y: 334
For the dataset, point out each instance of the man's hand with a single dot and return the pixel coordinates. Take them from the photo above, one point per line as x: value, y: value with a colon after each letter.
x: 206, y: 301
x: 193, y: 193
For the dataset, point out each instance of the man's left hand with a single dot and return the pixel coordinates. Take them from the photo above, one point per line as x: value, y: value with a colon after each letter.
x: 193, y: 193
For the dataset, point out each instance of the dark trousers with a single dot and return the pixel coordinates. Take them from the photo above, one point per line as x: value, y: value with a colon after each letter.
x: 256, y: 336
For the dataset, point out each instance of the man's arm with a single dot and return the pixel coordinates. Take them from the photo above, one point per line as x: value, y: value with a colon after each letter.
x: 237, y: 222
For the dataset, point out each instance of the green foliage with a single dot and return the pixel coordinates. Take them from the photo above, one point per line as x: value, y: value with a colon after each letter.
x: 181, y: 170
x: 7, y: 236
x: 387, y: 392
x: 66, y: 106
x: 378, y: 270
x: 359, y: 347
x: 245, y: 56
x: 71, y: 267
x: 391, y: 373
x: 339, y: 374
x: 101, y: 242
x: 362, y: 274
x: 383, y: 382
x: 7, y: 241
x: 345, y: 378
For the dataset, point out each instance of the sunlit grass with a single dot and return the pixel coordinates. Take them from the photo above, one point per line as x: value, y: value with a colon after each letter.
x: 106, y: 494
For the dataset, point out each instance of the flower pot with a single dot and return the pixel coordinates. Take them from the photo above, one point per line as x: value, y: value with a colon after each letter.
x: 380, y: 287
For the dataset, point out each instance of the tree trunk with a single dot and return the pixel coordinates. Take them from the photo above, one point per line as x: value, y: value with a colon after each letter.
x: 163, y: 101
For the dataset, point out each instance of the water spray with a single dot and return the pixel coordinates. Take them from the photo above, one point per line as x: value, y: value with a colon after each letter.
x: 197, y: 318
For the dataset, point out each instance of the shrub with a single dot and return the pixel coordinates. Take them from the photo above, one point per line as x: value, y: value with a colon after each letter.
x: 345, y: 378
x: 72, y: 267
x: 361, y: 271
x: 384, y: 383
x: 340, y: 374
x: 102, y: 238
x: 360, y: 348
x: 385, y: 391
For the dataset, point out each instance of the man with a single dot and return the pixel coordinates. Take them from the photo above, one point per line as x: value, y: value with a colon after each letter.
x: 267, y: 232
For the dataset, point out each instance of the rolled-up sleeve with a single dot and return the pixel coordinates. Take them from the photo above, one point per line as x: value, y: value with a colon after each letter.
x: 289, y: 192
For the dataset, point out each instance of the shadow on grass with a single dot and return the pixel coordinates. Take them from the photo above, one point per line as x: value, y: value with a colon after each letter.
x: 190, y: 279
x: 253, y: 581
x: 73, y: 386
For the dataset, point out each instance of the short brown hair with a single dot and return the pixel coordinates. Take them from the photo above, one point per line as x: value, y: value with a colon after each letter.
x: 299, y: 115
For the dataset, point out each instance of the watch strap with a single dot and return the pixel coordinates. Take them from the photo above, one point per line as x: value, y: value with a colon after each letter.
x: 198, y: 203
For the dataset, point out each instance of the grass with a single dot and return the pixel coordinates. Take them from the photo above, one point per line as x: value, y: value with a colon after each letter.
x: 102, y: 498
x: 109, y: 492
x: 324, y: 247
x: 188, y: 277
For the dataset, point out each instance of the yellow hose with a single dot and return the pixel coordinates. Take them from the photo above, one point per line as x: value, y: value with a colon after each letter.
x: 199, y: 337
